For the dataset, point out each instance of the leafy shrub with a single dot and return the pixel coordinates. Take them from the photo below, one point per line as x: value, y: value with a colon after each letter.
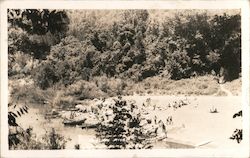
x: 18, y: 135
x: 102, y: 83
x: 116, y: 86
x: 18, y: 40
x: 38, y: 21
x: 21, y: 63
x: 68, y: 61
x: 20, y: 53
x: 63, y: 101
x: 178, y: 65
x: 18, y: 44
x: 54, y: 141
x: 26, y: 141
x: 42, y: 28
x: 111, y: 86
x: 45, y: 76
x: 30, y: 94
x: 120, y: 127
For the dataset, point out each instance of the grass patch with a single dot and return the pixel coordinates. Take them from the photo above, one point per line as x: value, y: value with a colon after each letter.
x: 30, y: 94
x: 22, y: 91
x: 108, y: 87
x: 204, y: 85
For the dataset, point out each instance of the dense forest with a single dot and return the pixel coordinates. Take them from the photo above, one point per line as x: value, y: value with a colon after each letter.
x: 61, y: 47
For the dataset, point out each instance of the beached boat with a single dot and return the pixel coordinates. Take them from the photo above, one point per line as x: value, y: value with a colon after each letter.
x: 73, y: 122
x: 86, y: 125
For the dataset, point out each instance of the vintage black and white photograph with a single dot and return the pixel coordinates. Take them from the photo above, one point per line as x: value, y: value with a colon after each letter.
x: 83, y: 79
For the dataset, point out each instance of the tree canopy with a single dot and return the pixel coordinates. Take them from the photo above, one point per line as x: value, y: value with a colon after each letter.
x: 132, y: 44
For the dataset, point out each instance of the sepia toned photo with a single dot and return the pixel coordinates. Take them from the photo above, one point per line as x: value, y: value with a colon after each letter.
x: 134, y: 79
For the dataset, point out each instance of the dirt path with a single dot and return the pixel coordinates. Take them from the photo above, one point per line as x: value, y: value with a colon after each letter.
x: 222, y: 88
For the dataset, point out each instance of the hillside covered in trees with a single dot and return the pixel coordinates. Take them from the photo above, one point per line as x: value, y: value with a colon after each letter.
x: 61, y: 47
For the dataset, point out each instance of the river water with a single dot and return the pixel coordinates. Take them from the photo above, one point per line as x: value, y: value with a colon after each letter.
x: 74, y: 135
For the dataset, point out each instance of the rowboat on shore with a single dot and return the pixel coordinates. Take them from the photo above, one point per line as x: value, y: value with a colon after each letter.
x: 87, y: 125
x: 73, y: 122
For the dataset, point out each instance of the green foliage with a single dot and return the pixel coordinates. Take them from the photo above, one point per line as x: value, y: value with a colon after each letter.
x: 21, y: 63
x: 20, y: 60
x: 24, y: 90
x: 113, y: 133
x: 178, y: 65
x: 133, y: 45
x: 17, y: 135
x: 26, y: 141
x: 45, y: 76
x: 18, y: 40
x: 68, y: 61
x: 54, y: 141
x: 36, y: 30
x: 39, y: 21
x: 227, y: 43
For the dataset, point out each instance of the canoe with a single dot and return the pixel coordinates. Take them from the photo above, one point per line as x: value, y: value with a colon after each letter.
x: 72, y: 109
x: 71, y: 122
x: 83, y: 126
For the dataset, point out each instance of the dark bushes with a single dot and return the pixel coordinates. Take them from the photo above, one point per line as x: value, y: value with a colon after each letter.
x: 45, y: 76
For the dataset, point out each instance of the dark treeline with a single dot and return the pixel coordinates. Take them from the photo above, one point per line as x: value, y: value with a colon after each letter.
x: 135, y: 44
